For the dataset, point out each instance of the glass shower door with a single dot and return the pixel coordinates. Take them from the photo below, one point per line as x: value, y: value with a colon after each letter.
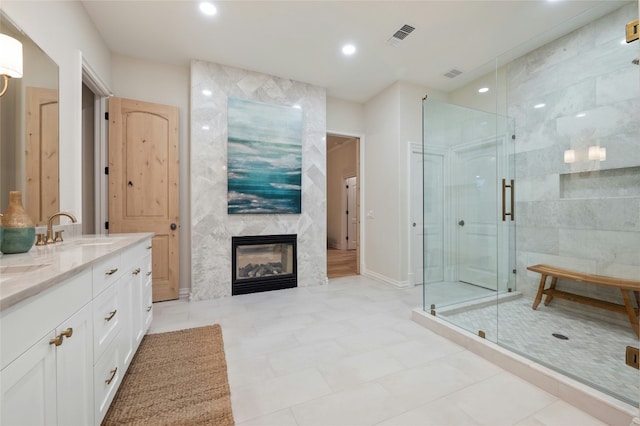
x: 467, y: 154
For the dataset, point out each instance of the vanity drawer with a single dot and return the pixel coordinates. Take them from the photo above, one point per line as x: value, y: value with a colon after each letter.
x: 107, y: 319
x: 25, y: 323
x: 107, y: 375
x: 106, y: 273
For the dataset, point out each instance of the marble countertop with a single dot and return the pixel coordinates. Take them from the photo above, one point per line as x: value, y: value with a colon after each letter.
x: 24, y: 275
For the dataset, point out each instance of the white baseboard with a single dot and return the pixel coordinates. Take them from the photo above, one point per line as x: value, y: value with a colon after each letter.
x: 385, y: 279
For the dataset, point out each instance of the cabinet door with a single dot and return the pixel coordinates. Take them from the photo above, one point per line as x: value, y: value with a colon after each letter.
x: 147, y: 297
x: 74, y: 361
x: 28, y: 386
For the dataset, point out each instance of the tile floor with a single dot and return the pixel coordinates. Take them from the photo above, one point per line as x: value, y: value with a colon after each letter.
x: 348, y: 354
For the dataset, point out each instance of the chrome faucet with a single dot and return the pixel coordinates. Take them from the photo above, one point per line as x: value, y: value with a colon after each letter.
x: 58, y: 239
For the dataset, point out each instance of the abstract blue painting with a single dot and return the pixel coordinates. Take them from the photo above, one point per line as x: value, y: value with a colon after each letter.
x: 264, y: 158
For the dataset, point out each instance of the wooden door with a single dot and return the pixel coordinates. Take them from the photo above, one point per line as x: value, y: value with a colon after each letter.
x: 41, y: 154
x: 143, y: 183
x: 352, y: 221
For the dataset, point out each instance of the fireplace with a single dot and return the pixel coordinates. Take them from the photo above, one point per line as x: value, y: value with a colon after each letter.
x: 263, y: 263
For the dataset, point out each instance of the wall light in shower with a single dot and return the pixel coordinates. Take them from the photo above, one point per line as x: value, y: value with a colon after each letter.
x: 597, y: 153
x: 569, y: 156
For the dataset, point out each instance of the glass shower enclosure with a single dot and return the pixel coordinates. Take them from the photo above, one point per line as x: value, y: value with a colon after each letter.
x: 545, y: 171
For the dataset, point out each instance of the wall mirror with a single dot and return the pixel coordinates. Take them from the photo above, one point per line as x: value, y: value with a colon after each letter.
x: 29, y: 152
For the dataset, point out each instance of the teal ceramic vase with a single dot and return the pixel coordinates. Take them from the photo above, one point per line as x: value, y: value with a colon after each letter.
x: 19, y: 231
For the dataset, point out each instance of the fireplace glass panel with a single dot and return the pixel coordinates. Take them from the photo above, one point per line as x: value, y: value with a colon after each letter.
x: 263, y: 260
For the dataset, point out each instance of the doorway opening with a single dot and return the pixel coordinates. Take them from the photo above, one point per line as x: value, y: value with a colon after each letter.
x: 95, y: 94
x: 343, y: 205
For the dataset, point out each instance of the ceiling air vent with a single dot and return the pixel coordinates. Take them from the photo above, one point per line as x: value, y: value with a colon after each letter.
x: 400, y: 35
x: 453, y: 73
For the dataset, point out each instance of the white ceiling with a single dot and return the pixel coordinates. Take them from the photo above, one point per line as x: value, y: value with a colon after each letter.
x: 301, y: 40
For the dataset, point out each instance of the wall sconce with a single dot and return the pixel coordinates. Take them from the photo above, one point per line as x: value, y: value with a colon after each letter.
x: 597, y: 153
x: 10, y: 60
x: 569, y: 156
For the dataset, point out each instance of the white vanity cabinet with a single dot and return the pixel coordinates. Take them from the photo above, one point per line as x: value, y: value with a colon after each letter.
x: 65, y: 350
x: 47, y: 357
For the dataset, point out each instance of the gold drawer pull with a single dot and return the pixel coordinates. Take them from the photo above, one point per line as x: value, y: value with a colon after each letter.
x: 111, y: 271
x: 136, y: 272
x: 56, y: 340
x: 111, y: 315
x: 148, y: 247
x: 148, y: 273
x: 149, y: 308
x: 113, y: 375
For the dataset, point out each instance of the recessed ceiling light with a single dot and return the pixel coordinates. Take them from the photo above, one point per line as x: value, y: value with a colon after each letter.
x: 208, y: 8
x: 205, y: 127
x: 207, y: 92
x: 538, y: 106
x: 348, y: 49
x: 582, y: 114
x: 483, y: 90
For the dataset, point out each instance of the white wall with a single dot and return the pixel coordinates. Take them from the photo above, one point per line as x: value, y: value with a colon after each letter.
x: 393, y: 121
x: 64, y: 32
x: 345, y: 117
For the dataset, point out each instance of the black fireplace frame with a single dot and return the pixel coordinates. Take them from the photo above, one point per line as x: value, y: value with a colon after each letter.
x: 260, y: 284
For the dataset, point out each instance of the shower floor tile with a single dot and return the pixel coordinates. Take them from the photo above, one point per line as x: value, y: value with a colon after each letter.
x: 594, y: 351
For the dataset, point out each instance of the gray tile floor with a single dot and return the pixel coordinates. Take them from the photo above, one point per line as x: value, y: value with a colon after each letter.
x: 348, y: 354
x: 594, y: 352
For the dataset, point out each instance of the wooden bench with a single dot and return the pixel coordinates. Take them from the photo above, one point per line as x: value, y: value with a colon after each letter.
x: 627, y: 287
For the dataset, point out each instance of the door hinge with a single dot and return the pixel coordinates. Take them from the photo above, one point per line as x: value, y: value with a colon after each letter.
x: 347, y: 237
x: 106, y: 170
x: 513, y: 137
x: 106, y: 115
x: 106, y: 225
x: 631, y: 357
x: 347, y: 211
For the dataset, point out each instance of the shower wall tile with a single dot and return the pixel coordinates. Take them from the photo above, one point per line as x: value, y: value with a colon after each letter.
x: 596, y: 225
x: 535, y: 188
x: 538, y: 239
x: 621, y: 247
x: 212, y: 228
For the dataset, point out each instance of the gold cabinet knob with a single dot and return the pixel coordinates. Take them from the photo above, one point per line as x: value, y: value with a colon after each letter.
x: 136, y: 272
x: 67, y: 333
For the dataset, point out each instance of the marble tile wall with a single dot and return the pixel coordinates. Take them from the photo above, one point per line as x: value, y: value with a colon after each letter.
x: 212, y: 228
x: 560, y: 221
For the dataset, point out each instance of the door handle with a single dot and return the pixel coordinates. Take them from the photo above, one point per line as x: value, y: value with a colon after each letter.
x: 504, y: 200
x: 173, y: 226
x: 461, y: 223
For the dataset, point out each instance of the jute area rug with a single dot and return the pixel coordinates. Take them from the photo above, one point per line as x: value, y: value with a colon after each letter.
x: 175, y: 378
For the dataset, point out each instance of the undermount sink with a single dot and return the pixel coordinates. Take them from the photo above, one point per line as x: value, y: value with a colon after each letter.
x: 88, y: 242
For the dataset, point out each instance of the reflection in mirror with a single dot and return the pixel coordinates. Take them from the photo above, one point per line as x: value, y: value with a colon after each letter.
x: 29, y: 131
